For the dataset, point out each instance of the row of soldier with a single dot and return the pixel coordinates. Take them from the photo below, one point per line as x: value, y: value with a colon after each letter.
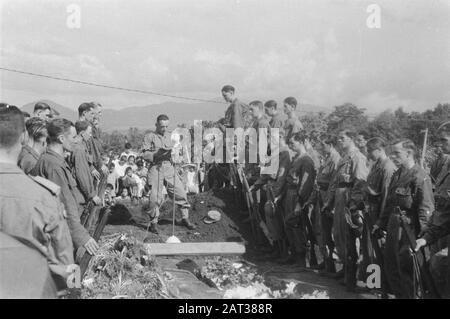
x: 52, y: 170
x: 358, y: 198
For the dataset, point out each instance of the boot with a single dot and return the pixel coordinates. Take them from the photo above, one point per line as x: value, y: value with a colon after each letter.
x: 301, y: 260
x: 185, y: 222
x: 312, y: 258
x: 330, y: 267
x: 153, y: 228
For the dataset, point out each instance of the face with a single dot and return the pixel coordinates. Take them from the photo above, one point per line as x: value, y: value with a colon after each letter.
x: 90, y: 115
x: 44, y: 114
x: 270, y: 111
x: 125, y: 192
x: 87, y: 134
x: 399, y: 155
x: 373, y: 153
x: 228, y: 96
x: 131, y: 160
x: 288, y: 108
x: 326, y: 148
x: 69, y: 139
x: 129, y: 173
x: 360, y: 141
x: 254, y: 111
x: 294, y: 145
x: 162, y: 126
x: 444, y: 142
x: 344, y: 141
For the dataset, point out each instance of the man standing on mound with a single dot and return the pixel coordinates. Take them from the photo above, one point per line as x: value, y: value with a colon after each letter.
x: 157, y: 149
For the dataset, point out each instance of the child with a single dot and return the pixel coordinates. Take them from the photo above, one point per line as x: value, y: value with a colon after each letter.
x: 110, y: 194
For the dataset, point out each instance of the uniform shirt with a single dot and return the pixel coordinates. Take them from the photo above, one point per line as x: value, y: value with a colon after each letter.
x: 328, y: 169
x: 440, y: 224
x: 438, y: 166
x: 235, y: 115
x: 378, y: 180
x: 262, y: 122
x: 301, y: 174
x: 95, y: 148
x: 277, y: 121
x: 351, y: 173
x: 315, y: 156
x: 33, y: 212
x: 277, y: 181
x: 411, y: 190
x: 82, y: 166
x: 292, y: 126
x: 154, y: 147
x: 27, y: 159
x: 52, y: 166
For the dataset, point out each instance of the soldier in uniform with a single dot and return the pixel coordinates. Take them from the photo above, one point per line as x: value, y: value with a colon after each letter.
x: 89, y: 112
x: 299, y: 183
x: 30, y: 209
x: 276, y: 118
x: 51, y: 165
x: 346, y: 196
x: 376, y: 193
x: 439, y: 225
x: 35, y: 144
x: 292, y: 125
x: 157, y: 149
x: 82, y: 164
x: 439, y: 164
x: 237, y: 114
x: 324, y: 221
x: 409, y: 204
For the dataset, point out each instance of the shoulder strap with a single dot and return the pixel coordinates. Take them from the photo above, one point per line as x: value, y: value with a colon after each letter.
x: 49, y: 185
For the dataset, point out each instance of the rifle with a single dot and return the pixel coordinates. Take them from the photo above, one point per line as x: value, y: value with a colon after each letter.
x: 310, y: 234
x: 422, y: 276
x: 104, y: 215
x: 253, y: 208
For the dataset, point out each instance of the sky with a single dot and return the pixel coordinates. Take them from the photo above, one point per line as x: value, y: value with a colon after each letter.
x: 321, y: 52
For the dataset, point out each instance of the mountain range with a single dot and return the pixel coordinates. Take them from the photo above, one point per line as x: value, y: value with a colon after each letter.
x: 144, y: 117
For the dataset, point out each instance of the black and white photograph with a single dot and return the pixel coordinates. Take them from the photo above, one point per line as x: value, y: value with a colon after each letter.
x: 199, y: 150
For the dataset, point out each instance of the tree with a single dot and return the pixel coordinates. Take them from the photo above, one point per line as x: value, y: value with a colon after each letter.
x: 346, y: 116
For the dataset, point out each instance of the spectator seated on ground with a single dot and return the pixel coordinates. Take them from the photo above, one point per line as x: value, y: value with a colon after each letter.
x: 121, y: 166
x: 133, y: 182
x: 110, y: 195
x: 141, y: 170
x: 124, y: 197
x: 113, y: 177
x: 128, y: 151
x: 131, y: 163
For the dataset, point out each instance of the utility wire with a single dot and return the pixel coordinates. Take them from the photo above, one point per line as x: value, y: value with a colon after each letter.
x: 109, y: 86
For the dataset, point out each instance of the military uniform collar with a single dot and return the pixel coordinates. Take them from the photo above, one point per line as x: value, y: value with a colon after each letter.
x: 54, y: 154
x: 9, y: 168
x: 31, y: 151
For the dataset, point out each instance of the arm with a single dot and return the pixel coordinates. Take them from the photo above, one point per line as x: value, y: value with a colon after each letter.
x: 82, y: 173
x: 236, y: 118
x: 438, y: 228
x: 425, y: 201
x: 359, y: 178
x: 148, y: 148
x: 386, y: 181
x: 307, y: 177
x: 79, y: 234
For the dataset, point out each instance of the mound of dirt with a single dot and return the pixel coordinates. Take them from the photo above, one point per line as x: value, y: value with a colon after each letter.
x: 133, y: 219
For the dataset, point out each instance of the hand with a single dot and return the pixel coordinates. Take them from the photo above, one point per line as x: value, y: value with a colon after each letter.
x: 375, y: 229
x: 97, y: 201
x: 104, y: 170
x: 276, y: 200
x: 421, y: 242
x: 95, y: 174
x: 91, y: 246
x: 298, y: 209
